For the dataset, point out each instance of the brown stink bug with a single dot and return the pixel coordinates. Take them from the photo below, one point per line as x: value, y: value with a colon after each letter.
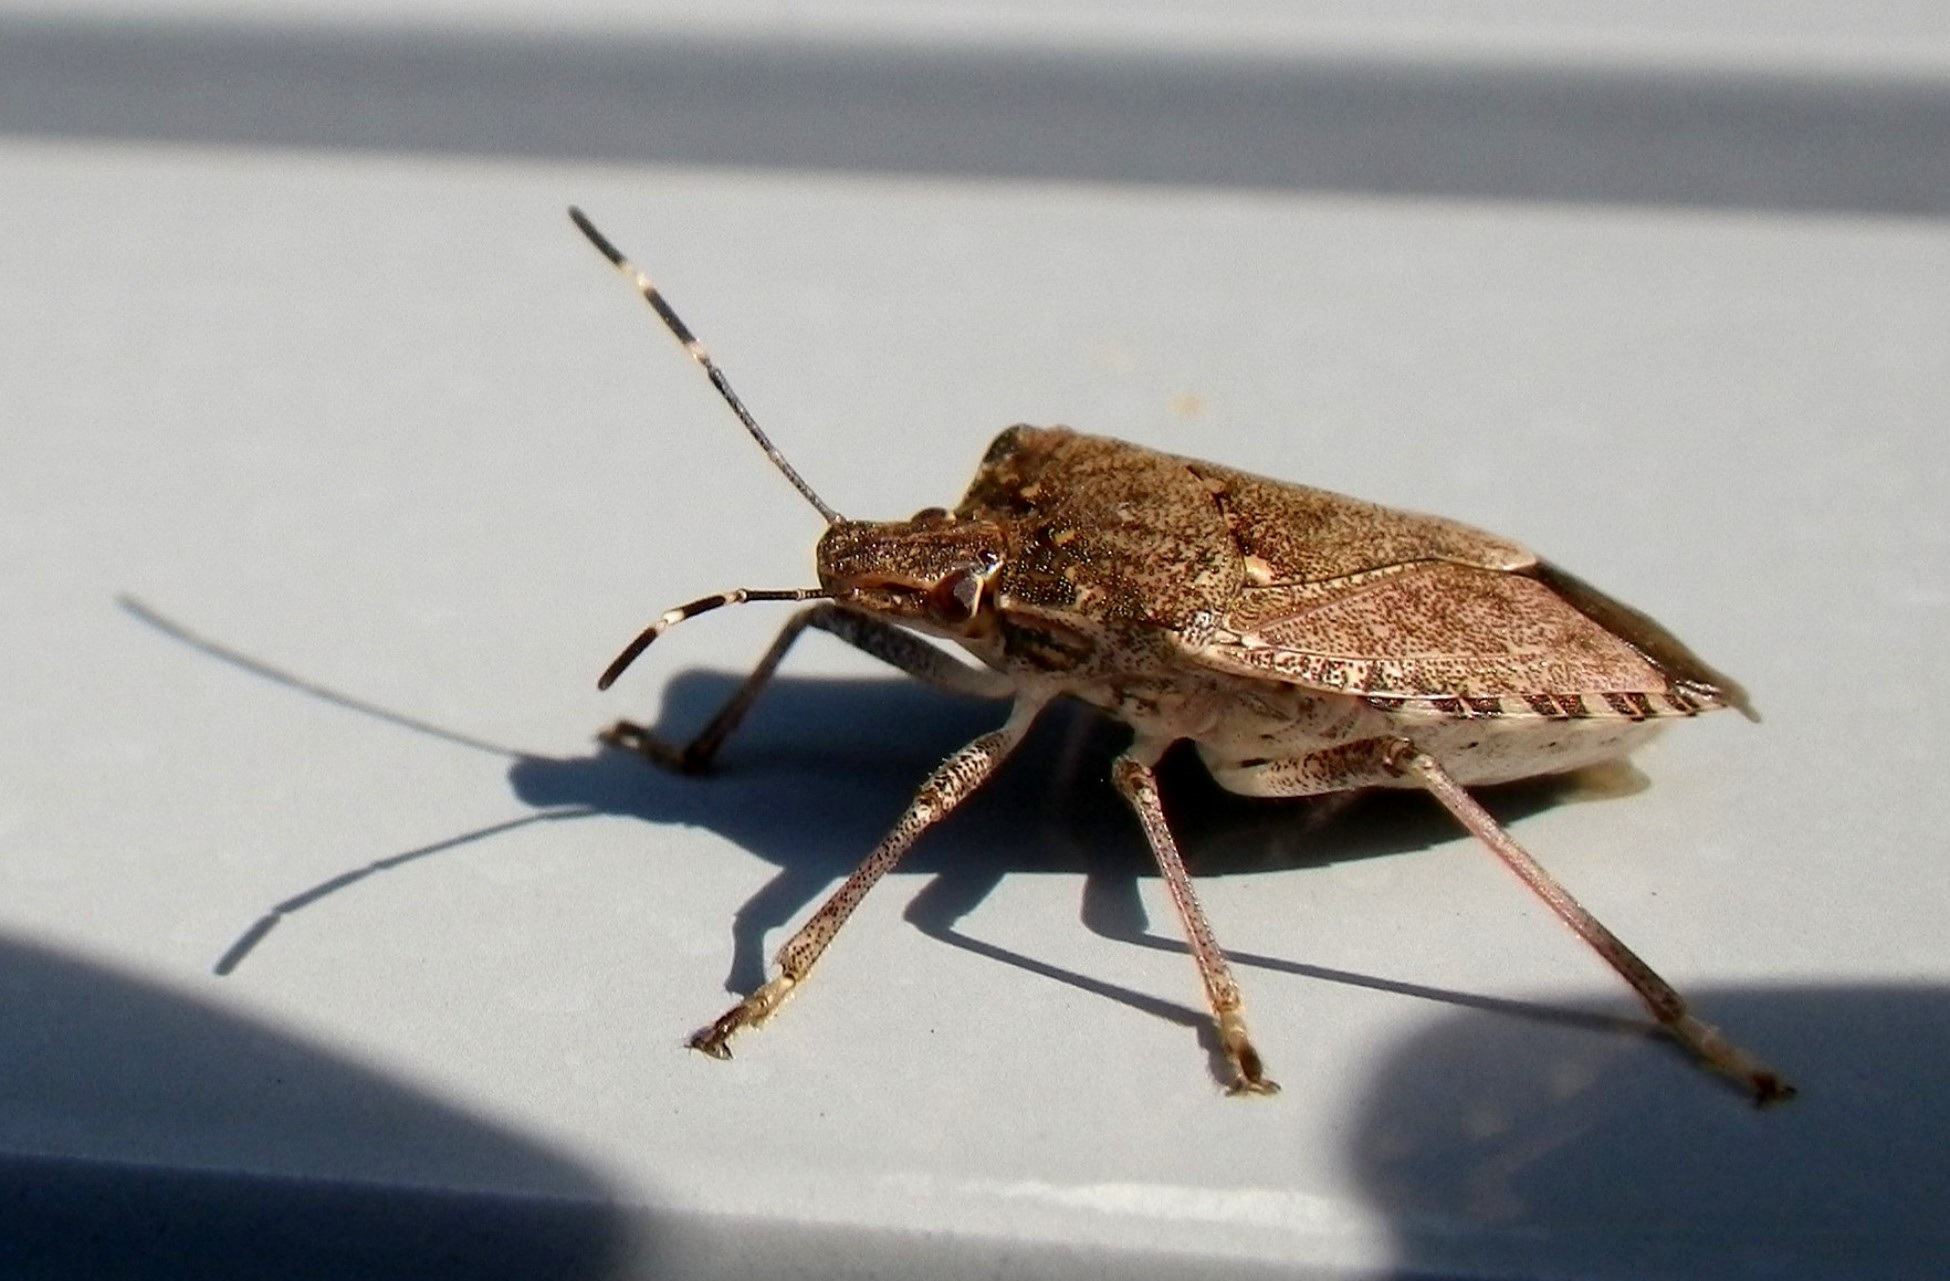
x: 1304, y: 642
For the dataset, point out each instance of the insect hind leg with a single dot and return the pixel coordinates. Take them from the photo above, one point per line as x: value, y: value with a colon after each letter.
x: 890, y: 644
x: 1139, y: 786
x: 1706, y: 1042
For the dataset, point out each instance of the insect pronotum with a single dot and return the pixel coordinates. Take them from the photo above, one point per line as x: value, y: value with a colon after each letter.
x: 1306, y: 643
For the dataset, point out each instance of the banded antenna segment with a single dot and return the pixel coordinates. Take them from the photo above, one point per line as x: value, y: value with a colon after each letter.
x: 673, y: 322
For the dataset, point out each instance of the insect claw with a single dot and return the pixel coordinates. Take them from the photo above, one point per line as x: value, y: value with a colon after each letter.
x: 753, y: 1011
x: 631, y: 737
x: 712, y: 1041
x: 1249, y: 1072
x: 1763, y: 1083
x: 1243, y: 1084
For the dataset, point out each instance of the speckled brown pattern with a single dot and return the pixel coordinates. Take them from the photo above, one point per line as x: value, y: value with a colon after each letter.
x: 1295, y: 584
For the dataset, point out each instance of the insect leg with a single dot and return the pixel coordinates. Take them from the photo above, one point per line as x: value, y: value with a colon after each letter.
x: 951, y: 783
x: 1667, y: 1006
x: 884, y: 641
x: 1139, y: 786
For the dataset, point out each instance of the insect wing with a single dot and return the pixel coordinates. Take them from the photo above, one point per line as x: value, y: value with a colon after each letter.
x: 1435, y: 630
x: 1294, y: 533
x: 1356, y: 598
x: 1665, y: 651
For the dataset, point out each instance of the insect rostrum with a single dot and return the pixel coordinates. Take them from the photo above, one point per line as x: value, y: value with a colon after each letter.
x: 1303, y: 641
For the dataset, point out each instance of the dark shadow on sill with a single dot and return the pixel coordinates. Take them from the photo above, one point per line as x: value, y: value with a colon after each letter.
x: 146, y: 1135
x: 193, y: 1142
x: 1449, y: 130
x: 1500, y: 1149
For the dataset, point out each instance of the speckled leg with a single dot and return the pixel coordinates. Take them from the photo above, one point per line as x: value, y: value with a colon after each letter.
x: 1667, y: 1006
x: 1139, y: 786
x: 884, y: 641
x: 953, y: 782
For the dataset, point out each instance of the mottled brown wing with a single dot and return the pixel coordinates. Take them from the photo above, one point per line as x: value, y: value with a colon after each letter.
x: 1689, y: 673
x: 1345, y: 595
x: 1436, y: 631
x: 1296, y: 534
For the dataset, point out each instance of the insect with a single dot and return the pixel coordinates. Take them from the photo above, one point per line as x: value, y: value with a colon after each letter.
x: 1304, y: 642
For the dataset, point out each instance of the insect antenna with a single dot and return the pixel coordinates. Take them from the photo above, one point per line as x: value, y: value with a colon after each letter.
x: 654, y: 296
x: 735, y: 597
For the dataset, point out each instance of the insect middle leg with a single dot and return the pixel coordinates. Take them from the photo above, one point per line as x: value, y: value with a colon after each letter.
x: 1660, y: 997
x: 1134, y: 779
x: 953, y: 782
x: 890, y: 644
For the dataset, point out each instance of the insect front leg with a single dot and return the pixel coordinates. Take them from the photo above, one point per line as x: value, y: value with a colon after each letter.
x: 1667, y: 1006
x: 890, y: 644
x: 1134, y: 779
x: 953, y: 782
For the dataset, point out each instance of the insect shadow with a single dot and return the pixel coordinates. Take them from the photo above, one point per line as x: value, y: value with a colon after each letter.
x: 824, y: 765
x: 824, y: 748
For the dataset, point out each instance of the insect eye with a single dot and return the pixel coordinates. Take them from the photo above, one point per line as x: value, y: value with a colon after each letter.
x: 954, y: 600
